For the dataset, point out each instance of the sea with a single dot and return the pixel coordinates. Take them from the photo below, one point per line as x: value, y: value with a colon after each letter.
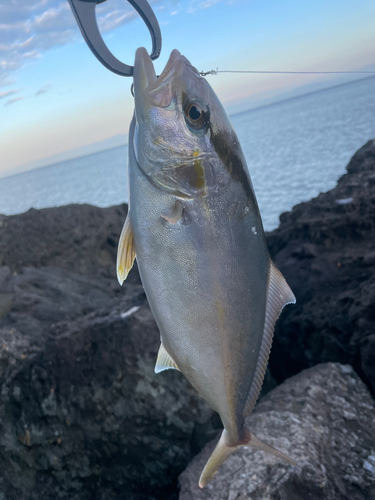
x: 295, y: 149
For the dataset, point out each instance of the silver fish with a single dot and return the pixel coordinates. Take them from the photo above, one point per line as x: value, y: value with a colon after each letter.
x: 194, y: 227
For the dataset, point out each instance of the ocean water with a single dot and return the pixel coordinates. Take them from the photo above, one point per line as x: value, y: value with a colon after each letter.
x: 295, y: 149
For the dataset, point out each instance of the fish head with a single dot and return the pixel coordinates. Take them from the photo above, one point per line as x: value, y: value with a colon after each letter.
x: 183, y: 138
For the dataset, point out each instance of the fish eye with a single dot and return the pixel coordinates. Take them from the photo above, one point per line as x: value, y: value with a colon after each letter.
x: 196, y: 116
x: 194, y: 113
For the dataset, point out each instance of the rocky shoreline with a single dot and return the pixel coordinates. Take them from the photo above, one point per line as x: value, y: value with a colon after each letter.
x: 82, y: 414
x: 326, y: 250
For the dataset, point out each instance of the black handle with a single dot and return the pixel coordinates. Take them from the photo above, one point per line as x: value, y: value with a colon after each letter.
x: 84, y: 12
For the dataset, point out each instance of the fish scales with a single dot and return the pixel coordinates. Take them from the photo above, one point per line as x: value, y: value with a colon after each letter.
x: 197, y: 234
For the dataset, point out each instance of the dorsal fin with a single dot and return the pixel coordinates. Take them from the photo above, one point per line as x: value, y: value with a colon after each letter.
x: 125, y: 252
x: 278, y: 295
x: 164, y: 361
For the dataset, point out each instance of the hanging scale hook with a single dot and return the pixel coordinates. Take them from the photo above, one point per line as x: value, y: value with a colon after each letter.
x: 84, y: 12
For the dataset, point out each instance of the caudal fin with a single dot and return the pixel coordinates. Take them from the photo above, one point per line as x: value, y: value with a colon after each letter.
x: 222, y: 451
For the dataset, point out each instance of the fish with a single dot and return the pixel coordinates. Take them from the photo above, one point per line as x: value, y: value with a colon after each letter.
x: 195, y: 229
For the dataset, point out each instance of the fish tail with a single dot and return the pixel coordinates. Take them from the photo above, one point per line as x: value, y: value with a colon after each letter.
x: 222, y: 451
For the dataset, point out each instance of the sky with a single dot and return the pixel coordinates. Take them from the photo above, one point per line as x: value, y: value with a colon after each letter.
x: 58, y: 102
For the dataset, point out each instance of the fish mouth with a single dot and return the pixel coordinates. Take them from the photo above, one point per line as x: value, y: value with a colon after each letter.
x: 147, y: 86
x: 144, y: 72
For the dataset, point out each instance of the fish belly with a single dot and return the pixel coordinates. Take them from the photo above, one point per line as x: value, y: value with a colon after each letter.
x: 205, y: 278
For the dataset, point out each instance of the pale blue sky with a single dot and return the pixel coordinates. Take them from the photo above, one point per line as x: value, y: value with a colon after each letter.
x: 56, y: 100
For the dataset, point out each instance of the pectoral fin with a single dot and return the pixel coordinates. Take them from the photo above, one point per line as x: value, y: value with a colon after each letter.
x: 175, y: 214
x: 278, y: 295
x: 164, y: 361
x: 126, y: 252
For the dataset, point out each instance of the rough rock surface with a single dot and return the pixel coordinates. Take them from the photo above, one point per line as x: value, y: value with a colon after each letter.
x: 82, y: 414
x: 324, y: 418
x: 326, y: 250
x: 79, y: 238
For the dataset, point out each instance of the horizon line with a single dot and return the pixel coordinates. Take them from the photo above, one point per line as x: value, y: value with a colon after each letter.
x: 292, y: 98
x: 63, y: 161
x: 230, y: 115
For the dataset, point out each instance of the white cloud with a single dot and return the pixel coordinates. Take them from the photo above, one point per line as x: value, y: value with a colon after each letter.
x: 8, y: 93
x: 29, y: 28
x: 42, y: 90
x: 14, y: 100
x: 115, y: 19
x: 199, y: 4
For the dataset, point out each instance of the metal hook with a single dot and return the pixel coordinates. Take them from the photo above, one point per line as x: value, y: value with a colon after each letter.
x: 84, y: 12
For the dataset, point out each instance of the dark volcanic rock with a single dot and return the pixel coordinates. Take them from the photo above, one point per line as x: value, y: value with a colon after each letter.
x: 80, y: 238
x: 82, y: 414
x: 85, y: 417
x: 326, y: 250
x: 324, y: 418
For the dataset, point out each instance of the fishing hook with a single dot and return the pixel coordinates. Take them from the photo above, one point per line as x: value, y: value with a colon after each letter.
x: 84, y: 12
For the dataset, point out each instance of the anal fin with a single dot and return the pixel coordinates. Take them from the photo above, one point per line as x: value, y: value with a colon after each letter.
x: 164, y: 361
x: 126, y: 251
x: 278, y: 295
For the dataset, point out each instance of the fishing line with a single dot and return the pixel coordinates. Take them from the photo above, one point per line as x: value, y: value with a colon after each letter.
x: 216, y: 71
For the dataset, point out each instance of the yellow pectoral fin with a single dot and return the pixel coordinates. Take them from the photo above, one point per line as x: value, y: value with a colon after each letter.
x: 126, y: 252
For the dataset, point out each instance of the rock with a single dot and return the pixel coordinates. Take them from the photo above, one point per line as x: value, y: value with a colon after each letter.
x: 324, y: 418
x: 82, y: 413
x: 79, y: 238
x: 325, y: 249
x: 84, y: 416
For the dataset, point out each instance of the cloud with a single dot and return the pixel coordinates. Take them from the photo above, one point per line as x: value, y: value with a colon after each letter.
x: 201, y: 4
x: 42, y: 90
x: 8, y: 93
x: 12, y: 101
x: 29, y: 28
x: 114, y: 19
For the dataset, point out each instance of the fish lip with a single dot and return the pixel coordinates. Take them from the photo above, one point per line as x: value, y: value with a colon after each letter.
x: 144, y: 75
x: 144, y: 67
x: 144, y: 72
x: 173, y: 64
x: 150, y: 89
